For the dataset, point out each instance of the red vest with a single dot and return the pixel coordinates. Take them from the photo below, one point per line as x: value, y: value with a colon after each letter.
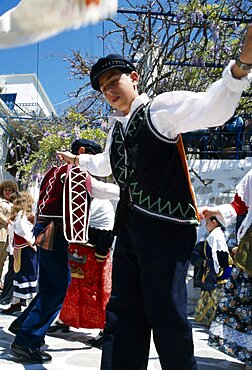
x: 65, y: 193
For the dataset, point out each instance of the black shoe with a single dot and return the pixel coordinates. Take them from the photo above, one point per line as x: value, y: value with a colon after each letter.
x: 58, y: 327
x: 13, y: 308
x: 14, y: 329
x: 96, y: 342
x: 27, y: 354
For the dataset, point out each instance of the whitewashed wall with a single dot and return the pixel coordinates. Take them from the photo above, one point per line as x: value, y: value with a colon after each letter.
x: 222, y: 175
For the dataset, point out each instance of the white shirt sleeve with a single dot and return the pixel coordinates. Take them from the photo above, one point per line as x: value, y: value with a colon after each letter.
x: 244, y: 190
x: 104, y: 190
x: 217, y: 242
x: 178, y: 112
x: 228, y: 214
x: 97, y: 164
x: 24, y: 228
x: 183, y: 111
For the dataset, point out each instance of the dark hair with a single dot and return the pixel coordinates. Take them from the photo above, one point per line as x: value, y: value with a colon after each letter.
x: 90, y: 146
x: 214, y: 218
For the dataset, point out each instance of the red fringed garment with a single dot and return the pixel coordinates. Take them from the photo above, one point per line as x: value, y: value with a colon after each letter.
x: 89, y: 291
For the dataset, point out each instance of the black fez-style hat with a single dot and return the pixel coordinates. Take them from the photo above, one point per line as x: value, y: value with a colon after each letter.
x: 90, y: 146
x: 106, y: 63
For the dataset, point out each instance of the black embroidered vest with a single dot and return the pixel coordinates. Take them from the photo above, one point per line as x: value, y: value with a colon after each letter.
x: 151, y: 170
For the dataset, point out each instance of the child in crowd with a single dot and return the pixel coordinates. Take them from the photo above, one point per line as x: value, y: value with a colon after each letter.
x: 7, y: 188
x: 217, y: 269
x: 25, y: 256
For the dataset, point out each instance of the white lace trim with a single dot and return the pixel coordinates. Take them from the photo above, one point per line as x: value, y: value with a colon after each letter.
x: 231, y: 335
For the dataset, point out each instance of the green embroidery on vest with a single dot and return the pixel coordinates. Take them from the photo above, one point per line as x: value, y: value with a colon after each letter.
x: 119, y: 165
x: 124, y: 173
x: 132, y: 127
x: 120, y: 171
x: 145, y: 200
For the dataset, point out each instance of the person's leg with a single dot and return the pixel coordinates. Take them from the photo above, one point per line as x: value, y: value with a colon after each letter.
x: 126, y: 337
x: 164, y: 250
x: 8, y: 288
x: 25, y: 280
x: 149, y: 292
x: 3, y: 256
x: 54, y: 277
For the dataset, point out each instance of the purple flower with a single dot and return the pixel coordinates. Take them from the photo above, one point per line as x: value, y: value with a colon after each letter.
x: 104, y: 125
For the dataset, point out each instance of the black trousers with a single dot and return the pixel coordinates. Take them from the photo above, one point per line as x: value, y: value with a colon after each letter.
x: 149, y: 293
x: 8, y: 287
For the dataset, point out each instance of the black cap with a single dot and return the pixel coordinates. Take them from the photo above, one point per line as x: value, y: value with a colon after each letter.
x: 106, y: 63
x: 90, y: 146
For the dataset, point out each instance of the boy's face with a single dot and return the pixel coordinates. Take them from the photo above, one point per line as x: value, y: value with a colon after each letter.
x: 119, y: 89
x: 210, y: 224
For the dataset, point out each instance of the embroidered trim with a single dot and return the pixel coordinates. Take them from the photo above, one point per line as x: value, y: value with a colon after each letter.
x: 48, y: 189
x: 120, y: 165
x: 101, y: 256
x: 156, y: 133
x: 20, y: 246
x: 131, y: 121
x: 49, y: 216
x: 27, y: 284
x: 161, y: 207
x: 179, y: 213
x: 165, y: 217
x: 76, y: 179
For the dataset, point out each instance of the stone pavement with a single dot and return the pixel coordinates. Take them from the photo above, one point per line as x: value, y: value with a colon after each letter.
x: 70, y: 352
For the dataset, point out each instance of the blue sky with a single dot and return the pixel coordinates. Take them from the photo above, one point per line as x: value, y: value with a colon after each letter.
x: 46, y: 58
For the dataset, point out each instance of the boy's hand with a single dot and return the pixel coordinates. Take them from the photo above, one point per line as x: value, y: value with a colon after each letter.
x: 68, y: 157
x: 206, y: 212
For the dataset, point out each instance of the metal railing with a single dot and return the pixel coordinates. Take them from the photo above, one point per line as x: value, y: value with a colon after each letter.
x: 218, y: 144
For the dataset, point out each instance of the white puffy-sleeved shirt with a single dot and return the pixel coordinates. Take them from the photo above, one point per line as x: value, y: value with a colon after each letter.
x: 102, y: 214
x: 178, y: 112
x: 22, y: 227
x: 104, y: 190
x: 217, y: 242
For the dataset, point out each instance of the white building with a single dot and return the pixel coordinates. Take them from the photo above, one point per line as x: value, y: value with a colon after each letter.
x: 24, y: 95
x: 21, y: 95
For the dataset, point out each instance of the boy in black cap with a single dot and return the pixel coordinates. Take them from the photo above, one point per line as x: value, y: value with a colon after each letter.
x: 156, y: 214
x: 81, y: 146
